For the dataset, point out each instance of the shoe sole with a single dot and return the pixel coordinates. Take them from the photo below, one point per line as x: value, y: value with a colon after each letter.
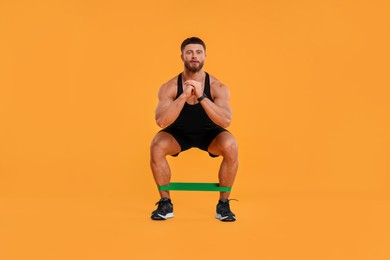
x: 226, y: 218
x: 163, y: 217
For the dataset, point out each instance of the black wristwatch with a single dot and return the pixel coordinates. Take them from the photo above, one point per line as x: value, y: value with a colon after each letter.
x: 202, y: 97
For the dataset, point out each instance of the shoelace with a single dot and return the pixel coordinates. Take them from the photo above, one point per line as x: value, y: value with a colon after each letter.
x: 225, y: 206
x: 225, y: 203
x: 161, y: 204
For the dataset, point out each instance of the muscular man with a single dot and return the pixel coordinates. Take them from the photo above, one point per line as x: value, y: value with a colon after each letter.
x: 193, y: 110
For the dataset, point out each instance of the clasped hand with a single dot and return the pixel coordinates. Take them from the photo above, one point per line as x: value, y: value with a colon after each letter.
x: 193, y: 87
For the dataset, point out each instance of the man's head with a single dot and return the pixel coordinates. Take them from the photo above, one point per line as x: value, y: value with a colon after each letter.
x: 192, y: 40
x: 193, y: 53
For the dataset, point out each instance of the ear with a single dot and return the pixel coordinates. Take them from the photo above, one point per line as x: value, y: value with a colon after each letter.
x: 181, y: 56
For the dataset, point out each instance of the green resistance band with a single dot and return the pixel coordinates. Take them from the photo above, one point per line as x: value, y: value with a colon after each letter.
x: 195, y: 186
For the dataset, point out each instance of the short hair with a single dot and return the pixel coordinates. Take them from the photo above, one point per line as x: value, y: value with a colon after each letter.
x: 192, y: 40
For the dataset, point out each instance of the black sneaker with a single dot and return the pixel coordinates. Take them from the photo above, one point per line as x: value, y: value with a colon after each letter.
x: 164, y: 210
x: 223, y: 211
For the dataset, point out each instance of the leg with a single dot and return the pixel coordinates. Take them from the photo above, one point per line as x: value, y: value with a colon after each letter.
x: 225, y: 144
x: 162, y: 145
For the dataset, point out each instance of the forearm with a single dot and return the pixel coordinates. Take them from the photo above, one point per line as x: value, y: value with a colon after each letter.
x: 220, y: 116
x: 167, y: 115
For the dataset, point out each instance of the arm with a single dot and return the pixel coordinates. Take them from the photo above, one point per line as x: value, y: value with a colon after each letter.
x: 219, y: 111
x: 168, y: 109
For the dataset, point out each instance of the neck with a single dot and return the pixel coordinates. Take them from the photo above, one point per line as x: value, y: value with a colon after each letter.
x: 198, y: 76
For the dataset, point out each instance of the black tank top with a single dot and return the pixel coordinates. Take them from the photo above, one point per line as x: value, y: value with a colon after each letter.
x: 193, y: 119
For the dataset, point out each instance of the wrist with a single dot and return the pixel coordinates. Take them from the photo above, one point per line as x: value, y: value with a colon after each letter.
x: 183, y: 97
x: 203, y: 96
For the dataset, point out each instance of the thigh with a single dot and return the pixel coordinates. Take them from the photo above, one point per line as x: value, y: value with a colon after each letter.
x: 165, y: 143
x: 224, y: 142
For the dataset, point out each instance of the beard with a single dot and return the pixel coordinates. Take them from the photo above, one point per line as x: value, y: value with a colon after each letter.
x: 193, y: 69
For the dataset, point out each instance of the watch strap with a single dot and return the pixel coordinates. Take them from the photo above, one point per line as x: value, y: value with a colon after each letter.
x: 202, y: 97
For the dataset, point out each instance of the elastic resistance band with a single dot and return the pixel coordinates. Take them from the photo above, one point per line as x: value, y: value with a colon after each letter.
x: 195, y: 186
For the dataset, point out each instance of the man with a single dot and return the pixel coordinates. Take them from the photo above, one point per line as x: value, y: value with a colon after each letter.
x: 194, y: 111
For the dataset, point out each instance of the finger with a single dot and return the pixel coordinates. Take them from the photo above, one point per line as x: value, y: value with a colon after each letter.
x: 191, y: 82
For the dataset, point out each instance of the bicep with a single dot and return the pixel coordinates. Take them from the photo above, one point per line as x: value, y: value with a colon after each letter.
x: 222, y: 98
x: 165, y: 98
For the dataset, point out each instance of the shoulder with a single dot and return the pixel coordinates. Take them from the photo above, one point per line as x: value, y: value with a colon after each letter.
x: 170, y: 83
x: 218, y: 88
x: 169, y: 88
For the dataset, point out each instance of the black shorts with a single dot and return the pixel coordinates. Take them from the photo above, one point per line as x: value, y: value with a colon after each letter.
x: 199, y: 140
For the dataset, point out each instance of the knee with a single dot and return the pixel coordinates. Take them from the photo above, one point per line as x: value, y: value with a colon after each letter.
x: 229, y: 149
x: 158, y: 146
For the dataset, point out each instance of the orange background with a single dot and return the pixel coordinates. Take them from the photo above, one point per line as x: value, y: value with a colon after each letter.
x: 310, y: 97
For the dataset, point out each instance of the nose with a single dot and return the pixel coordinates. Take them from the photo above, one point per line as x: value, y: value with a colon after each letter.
x: 194, y: 56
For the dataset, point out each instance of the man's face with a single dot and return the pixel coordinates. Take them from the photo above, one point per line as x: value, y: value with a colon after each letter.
x: 193, y: 57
